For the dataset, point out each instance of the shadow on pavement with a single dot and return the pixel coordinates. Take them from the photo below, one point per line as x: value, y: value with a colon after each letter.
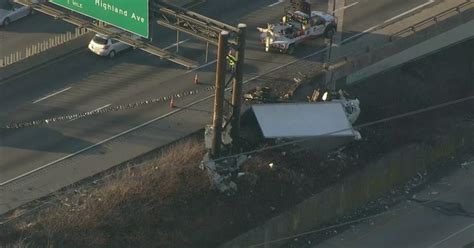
x: 41, y: 139
x: 30, y: 23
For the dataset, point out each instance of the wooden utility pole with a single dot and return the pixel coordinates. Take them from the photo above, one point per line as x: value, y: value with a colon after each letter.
x: 237, y: 83
x: 218, y: 116
x: 335, y: 41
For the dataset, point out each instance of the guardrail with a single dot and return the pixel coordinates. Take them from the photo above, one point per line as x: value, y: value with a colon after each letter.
x: 413, y: 28
x: 41, y: 47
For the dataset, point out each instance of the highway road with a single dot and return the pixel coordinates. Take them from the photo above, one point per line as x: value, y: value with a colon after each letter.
x: 434, y: 221
x: 30, y: 31
x: 366, y: 14
x: 84, y: 82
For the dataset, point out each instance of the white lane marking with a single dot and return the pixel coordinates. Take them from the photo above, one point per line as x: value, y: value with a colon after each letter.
x: 450, y: 236
x: 148, y: 122
x: 100, y: 143
x: 386, y: 21
x: 100, y: 108
x: 360, y: 34
x: 276, y: 3
x: 410, y: 10
x: 51, y: 95
x: 103, y: 107
x: 346, y: 7
x: 95, y: 110
x: 168, y: 114
x: 175, y: 44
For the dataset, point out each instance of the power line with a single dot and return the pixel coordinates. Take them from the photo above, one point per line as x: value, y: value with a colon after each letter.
x: 383, y: 120
x: 391, y: 118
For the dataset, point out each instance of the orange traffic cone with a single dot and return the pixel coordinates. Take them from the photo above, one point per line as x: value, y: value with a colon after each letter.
x: 172, y: 103
x: 196, y: 80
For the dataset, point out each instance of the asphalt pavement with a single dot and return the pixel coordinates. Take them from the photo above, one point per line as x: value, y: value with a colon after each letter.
x: 440, y: 216
x: 84, y: 82
x: 365, y: 14
x: 29, y: 31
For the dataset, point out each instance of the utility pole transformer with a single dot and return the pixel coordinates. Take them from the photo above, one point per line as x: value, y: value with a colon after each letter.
x: 218, y: 116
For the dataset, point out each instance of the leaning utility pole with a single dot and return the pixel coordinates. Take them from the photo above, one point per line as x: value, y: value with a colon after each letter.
x: 237, y: 83
x: 218, y: 116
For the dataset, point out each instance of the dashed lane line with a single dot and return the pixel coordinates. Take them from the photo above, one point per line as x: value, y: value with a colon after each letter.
x: 52, y: 94
x: 190, y: 104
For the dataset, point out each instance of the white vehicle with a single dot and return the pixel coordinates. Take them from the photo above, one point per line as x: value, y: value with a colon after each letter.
x: 12, y: 12
x: 103, y: 45
x: 295, y: 28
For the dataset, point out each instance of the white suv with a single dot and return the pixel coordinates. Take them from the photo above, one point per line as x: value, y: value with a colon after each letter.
x: 103, y: 45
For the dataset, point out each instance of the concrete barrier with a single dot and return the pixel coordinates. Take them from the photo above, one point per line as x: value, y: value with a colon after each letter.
x: 212, y: 6
x: 355, y: 191
x: 360, y: 56
x: 45, y: 57
x: 40, y: 47
x: 451, y: 37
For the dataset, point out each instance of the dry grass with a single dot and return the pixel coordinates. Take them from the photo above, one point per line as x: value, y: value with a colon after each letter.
x: 137, y: 208
x: 168, y: 203
x: 164, y: 204
x: 22, y: 243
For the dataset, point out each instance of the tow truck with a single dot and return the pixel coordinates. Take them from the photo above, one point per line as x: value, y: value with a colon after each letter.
x: 295, y: 27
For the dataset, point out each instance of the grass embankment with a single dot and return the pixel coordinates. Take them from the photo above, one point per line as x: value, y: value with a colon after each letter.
x: 168, y: 203
x: 141, y: 207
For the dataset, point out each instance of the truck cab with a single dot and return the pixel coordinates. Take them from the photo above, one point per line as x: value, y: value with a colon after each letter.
x: 296, y: 27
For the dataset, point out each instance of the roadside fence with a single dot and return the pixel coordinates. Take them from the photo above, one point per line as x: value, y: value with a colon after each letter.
x: 41, y: 46
x: 434, y: 19
x: 362, y: 55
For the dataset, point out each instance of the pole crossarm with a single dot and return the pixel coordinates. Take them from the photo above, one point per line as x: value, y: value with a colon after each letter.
x: 192, y: 23
x: 124, y: 36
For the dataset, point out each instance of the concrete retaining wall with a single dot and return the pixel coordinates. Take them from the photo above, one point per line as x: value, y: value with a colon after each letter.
x: 355, y: 191
x: 451, y: 37
x: 45, y: 57
x: 367, y: 56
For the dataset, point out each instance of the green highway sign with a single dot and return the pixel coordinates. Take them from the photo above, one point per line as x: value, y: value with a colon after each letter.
x: 130, y: 15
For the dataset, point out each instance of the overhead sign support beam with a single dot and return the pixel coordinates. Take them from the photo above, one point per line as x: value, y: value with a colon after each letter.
x: 194, y: 24
x: 123, y: 37
x: 229, y: 40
